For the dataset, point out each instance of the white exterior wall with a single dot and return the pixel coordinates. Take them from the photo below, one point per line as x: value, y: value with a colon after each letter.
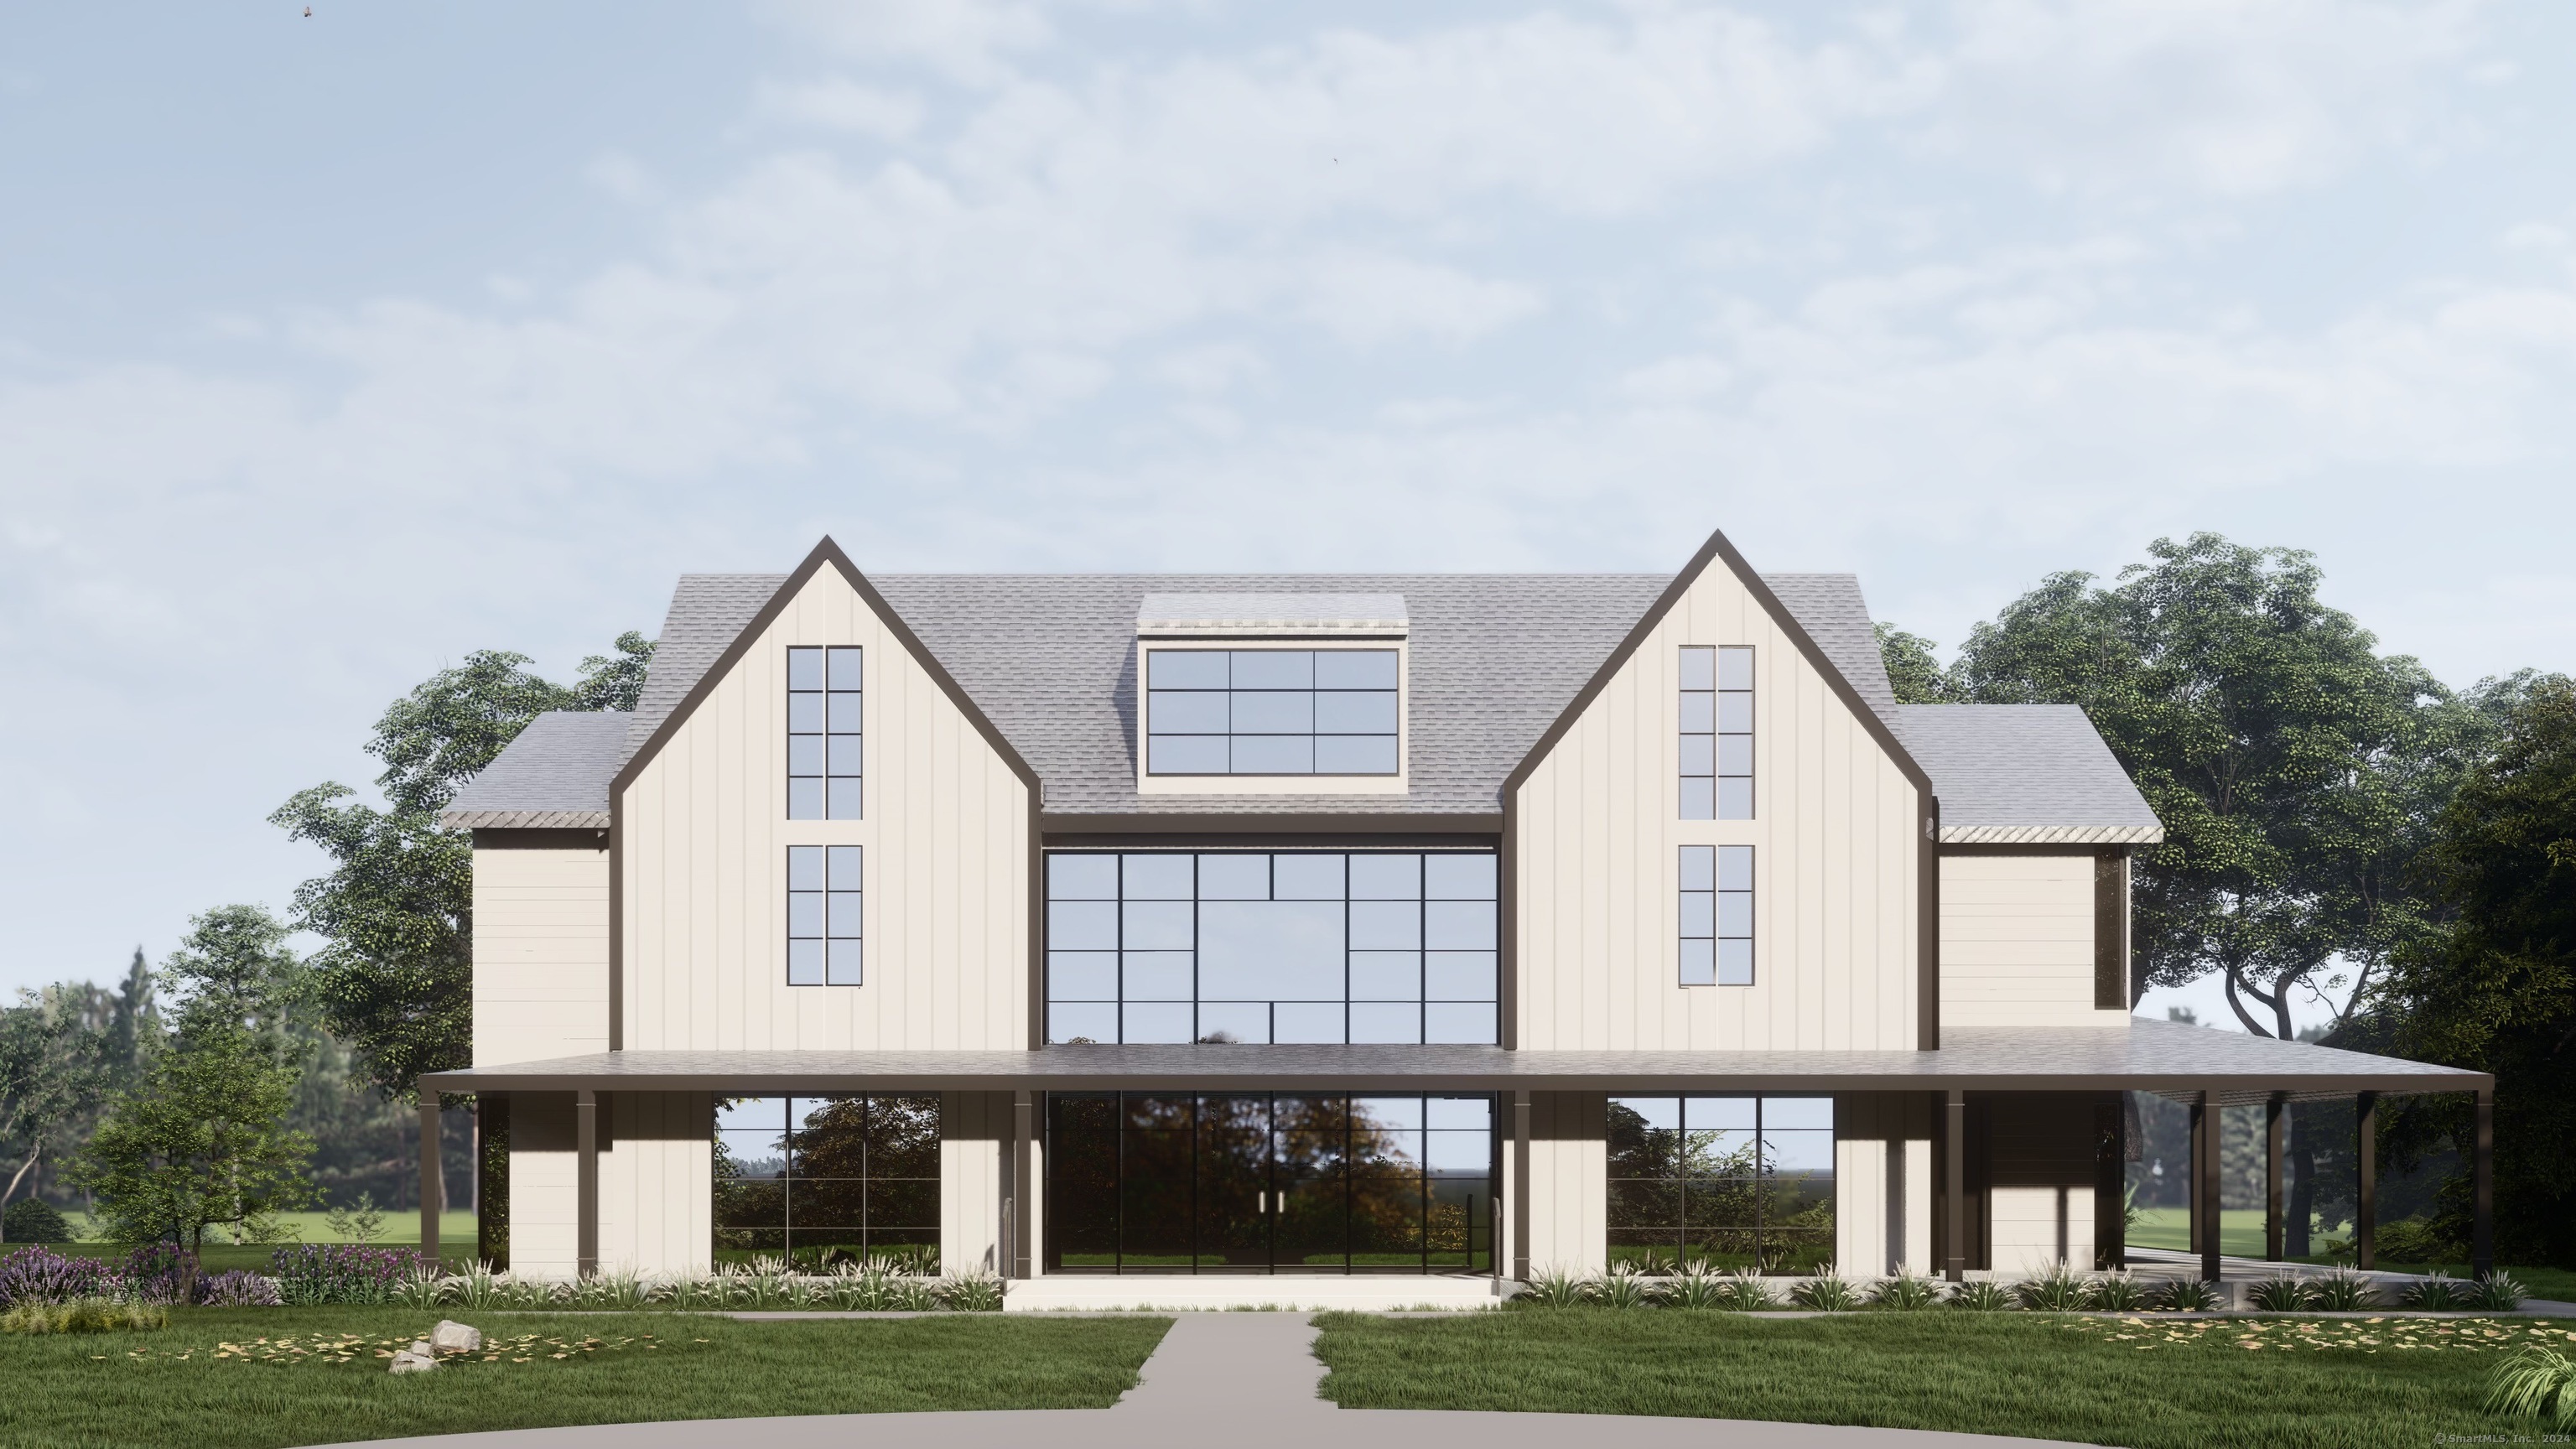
x: 1569, y: 1195
x: 947, y: 864
x: 2017, y: 941
x: 544, y: 1186
x: 1835, y: 838
x: 540, y: 951
x: 1883, y: 1183
x: 2040, y: 1181
x: 974, y: 1128
x: 656, y: 1182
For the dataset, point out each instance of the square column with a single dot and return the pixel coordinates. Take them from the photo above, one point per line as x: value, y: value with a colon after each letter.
x: 2482, y: 1233
x: 2365, y: 1207
x: 2206, y: 1132
x: 2276, y: 1121
x: 433, y: 1176
x: 585, y: 1135
x: 1954, y: 1185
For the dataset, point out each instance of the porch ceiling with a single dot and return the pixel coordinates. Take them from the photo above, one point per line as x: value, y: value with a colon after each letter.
x: 2145, y: 1056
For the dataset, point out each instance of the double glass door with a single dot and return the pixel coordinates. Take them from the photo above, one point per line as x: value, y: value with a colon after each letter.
x: 1269, y: 1183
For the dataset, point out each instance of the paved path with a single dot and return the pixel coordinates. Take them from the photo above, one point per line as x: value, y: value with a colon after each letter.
x: 1242, y: 1380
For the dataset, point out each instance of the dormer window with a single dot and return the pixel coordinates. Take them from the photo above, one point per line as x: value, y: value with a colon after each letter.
x: 1271, y: 692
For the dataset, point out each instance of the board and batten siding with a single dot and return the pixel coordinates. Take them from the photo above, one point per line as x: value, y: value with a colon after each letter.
x: 540, y: 946
x: 1596, y: 861
x: 2017, y: 940
x: 704, y: 851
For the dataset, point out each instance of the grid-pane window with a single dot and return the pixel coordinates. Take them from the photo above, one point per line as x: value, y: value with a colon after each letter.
x: 823, y: 1181
x: 823, y: 736
x: 1255, y: 946
x: 1271, y: 711
x: 1716, y: 733
x: 824, y: 908
x: 1717, y: 915
x: 1734, y: 1182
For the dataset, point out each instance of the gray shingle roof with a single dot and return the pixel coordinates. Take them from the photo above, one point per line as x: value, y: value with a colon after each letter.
x: 1050, y: 659
x: 555, y: 774
x: 2025, y: 773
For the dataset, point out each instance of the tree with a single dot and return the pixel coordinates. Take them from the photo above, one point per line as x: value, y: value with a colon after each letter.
x: 396, y: 977
x: 2296, y: 769
x: 2497, y: 991
x: 1916, y: 675
x: 201, y: 1140
x: 50, y: 1072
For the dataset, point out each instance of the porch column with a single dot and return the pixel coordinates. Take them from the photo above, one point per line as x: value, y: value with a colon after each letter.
x: 2365, y: 1204
x: 1021, y: 1184
x: 1954, y: 1185
x: 1517, y: 1208
x: 2482, y: 1234
x: 2276, y: 1121
x: 585, y: 1140
x: 2204, y: 1184
x: 2191, y: 1172
x: 433, y: 1179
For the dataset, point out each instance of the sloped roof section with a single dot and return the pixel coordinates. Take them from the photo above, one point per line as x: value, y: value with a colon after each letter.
x: 553, y: 776
x: 2025, y: 774
x: 1830, y: 608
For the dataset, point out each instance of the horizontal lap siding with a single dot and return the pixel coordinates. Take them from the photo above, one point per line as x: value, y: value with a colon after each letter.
x: 540, y: 954
x: 1597, y: 832
x: 946, y: 864
x: 2017, y: 941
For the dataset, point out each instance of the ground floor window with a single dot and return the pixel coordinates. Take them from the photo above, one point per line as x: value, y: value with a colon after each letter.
x: 1737, y: 1182
x: 1262, y: 1183
x: 827, y: 1180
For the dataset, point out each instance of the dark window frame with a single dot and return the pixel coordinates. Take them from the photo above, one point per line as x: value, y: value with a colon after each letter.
x: 742, y: 1197
x: 1150, y: 732
x: 1715, y: 706
x: 842, y: 873
x: 1636, y: 1230
x: 837, y: 789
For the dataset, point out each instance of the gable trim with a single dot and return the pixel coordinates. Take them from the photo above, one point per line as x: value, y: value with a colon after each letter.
x: 826, y: 554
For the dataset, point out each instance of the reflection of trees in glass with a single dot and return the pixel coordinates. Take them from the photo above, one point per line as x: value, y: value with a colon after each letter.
x: 1716, y: 1195
x: 857, y: 1177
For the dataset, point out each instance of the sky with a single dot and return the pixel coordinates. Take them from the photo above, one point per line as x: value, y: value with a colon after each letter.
x: 334, y: 347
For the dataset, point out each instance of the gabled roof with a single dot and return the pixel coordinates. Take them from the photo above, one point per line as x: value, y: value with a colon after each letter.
x: 554, y: 775
x: 2026, y: 773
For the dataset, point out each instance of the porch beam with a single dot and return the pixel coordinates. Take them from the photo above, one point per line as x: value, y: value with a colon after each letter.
x: 2276, y: 1122
x: 1954, y: 1185
x: 2482, y: 1232
x: 2365, y: 1206
x: 585, y: 1137
x: 433, y: 1176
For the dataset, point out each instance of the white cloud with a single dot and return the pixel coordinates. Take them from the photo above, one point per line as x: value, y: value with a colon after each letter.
x: 840, y: 104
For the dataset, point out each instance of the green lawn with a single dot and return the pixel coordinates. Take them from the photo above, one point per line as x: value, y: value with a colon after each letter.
x: 2002, y: 1373
x: 455, y: 1240
x: 2240, y: 1235
x: 85, y: 1390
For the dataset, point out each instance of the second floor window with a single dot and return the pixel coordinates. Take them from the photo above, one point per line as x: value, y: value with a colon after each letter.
x: 823, y: 740
x: 1717, y: 915
x: 1717, y: 733
x: 1271, y: 712
x: 823, y: 915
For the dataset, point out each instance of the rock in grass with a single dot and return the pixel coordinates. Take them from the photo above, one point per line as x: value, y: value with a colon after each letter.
x: 453, y: 1337
x: 414, y: 1360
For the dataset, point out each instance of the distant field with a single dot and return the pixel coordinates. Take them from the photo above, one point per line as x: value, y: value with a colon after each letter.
x: 455, y: 1239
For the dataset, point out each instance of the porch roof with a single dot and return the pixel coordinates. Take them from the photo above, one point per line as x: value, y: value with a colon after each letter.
x: 2150, y: 1056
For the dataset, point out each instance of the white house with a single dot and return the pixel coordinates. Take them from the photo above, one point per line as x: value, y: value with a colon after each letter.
x: 1289, y: 934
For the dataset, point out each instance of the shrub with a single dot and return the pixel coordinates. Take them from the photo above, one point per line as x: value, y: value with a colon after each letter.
x: 33, y: 1220
x: 973, y: 1293
x: 1906, y: 1290
x: 40, y: 1275
x: 2188, y: 1295
x: 1552, y: 1288
x: 1982, y: 1296
x: 85, y: 1315
x: 2342, y: 1291
x: 238, y: 1288
x: 2497, y: 1292
x: 1695, y: 1285
x: 2116, y: 1292
x: 1826, y: 1293
x: 1746, y: 1292
x: 2283, y: 1294
x: 1620, y: 1285
x: 2535, y: 1383
x: 2418, y: 1240
x: 346, y: 1273
x: 2059, y: 1290
x: 2435, y: 1294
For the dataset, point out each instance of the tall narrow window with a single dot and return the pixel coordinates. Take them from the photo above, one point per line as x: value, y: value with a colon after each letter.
x: 1717, y: 915
x: 1716, y: 733
x: 823, y: 737
x: 823, y: 912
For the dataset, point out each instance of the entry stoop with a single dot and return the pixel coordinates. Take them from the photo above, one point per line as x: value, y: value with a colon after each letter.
x: 1184, y: 1293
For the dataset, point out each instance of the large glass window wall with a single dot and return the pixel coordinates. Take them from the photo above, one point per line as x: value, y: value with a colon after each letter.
x: 1736, y: 1182
x: 1269, y: 1183
x: 1249, y: 946
x: 827, y: 1180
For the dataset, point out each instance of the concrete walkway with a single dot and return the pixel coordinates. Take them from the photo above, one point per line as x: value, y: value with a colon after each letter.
x: 1243, y: 1380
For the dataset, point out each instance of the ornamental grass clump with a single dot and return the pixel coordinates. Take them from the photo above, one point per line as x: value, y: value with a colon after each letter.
x: 2116, y: 1292
x: 1827, y: 1292
x: 40, y: 1275
x: 1905, y: 1291
x: 972, y: 1293
x: 85, y: 1315
x: 2497, y: 1292
x: 2342, y: 1291
x: 2188, y: 1295
x: 2536, y: 1383
x: 237, y: 1288
x: 1621, y: 1285
x: 347, y: 1273
x: 1982, y: 1296
x: 2058, y: 1290
x: 1746, y: 1292
x: 2437, y: 1293
x: 1695, y: 1285
x: 1553, y: 1288
x: 2283, y: 1294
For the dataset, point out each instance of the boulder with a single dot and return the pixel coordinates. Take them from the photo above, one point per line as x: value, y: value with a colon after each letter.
x: 408, y: 1362
x: 452, y: 1337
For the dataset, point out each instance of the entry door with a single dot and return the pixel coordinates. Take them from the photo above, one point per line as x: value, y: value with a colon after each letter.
x: 1234, y: 1196
x: 1310, y: 1194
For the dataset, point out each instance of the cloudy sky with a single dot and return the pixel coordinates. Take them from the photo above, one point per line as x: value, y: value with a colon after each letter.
x: 332, y: 348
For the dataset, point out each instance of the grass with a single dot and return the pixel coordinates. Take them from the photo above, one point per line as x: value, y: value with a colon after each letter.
x: 455, y: 1241
x: 591, y: 1368
x: 2240, y: 1235
x: 2017, y: 1374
